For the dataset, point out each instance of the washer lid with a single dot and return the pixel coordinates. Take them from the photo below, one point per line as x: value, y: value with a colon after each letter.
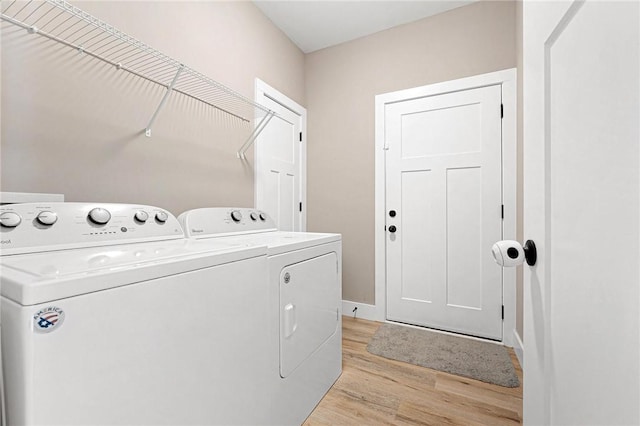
x: 36, y: 278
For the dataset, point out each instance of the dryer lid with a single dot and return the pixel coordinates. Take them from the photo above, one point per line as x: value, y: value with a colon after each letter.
x: 279, y: 242
x: 35, y: 278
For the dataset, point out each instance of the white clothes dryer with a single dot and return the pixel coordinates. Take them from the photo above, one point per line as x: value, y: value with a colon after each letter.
x: 110, y: 316
x: 305, y: 302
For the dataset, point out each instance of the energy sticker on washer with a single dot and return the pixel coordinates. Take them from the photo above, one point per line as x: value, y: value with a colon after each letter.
x: 48, y: 319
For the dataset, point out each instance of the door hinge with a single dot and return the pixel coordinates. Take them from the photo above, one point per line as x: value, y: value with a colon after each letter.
x: 501, y: 110
x: 502, y: 211
x: 300, y: 136
x: 300, y: 206
x: 503, y: 312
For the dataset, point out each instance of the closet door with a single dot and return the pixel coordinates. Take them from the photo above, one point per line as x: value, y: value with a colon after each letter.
x: 280, y: 165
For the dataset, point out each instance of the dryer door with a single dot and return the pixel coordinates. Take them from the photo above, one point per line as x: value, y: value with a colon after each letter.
x: 309, y: 311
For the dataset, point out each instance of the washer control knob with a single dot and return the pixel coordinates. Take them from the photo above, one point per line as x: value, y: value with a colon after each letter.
x: 162, y: 217
x: 10, y: 219
x: 99, y: 216
x: 236, y: 216
x: 254, y: 216
x: 263, y: 217
x: 141, y: 216
x: 47, y: 218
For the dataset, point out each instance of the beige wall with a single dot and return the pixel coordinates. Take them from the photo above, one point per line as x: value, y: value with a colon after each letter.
x: 74, y: 125
x: 341, y: 83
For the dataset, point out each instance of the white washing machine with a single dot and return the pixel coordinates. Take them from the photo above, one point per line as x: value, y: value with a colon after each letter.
x: 110, y: 316
x: 305, y: 299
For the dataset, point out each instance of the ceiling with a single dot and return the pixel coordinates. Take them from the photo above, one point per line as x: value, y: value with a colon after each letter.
x: 316, y: 24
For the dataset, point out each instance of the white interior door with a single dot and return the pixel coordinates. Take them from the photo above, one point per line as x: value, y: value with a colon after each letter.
x: 581, y: 123
x: 280, y: 165
x: 444, y: 202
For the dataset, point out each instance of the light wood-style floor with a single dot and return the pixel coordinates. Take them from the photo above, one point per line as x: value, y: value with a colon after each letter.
x: 374, y: 391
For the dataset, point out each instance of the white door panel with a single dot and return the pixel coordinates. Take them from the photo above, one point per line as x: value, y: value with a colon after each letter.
x: 443, y: 167
x: 429, y: 133
x: 281, y: 148
x: 280, y: 161
x: 581, y: 318
x: 281, y: 188
x: 464, y: 251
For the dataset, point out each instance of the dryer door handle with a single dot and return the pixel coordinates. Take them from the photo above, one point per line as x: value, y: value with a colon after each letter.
x: 289, y: 318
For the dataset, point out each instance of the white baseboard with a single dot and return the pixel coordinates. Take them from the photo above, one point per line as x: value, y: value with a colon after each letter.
x: 518, y: 347
x: 364, y: 310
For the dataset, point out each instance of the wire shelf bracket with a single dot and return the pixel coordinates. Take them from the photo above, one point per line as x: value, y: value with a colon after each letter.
x: 59, y: 21
x: 252, y: 137
x: 147, y: 131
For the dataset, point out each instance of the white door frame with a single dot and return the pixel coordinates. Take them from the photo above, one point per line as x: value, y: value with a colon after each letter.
x: 507, y: 78
x: 263, y: 89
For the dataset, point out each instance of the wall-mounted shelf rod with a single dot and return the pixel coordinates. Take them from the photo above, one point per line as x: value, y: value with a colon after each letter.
x: 59, y: 21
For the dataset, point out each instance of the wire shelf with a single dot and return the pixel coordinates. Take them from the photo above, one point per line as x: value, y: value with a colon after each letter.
x: 64, y: 23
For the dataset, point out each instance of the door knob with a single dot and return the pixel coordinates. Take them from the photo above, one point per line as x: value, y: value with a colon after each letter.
x: 392, y: 229
x: 511, y: 253
x: 392, y: 213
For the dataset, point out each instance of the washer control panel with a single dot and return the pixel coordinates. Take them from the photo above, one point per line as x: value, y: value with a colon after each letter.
x: 35, y: 227
x: 207, y: 222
